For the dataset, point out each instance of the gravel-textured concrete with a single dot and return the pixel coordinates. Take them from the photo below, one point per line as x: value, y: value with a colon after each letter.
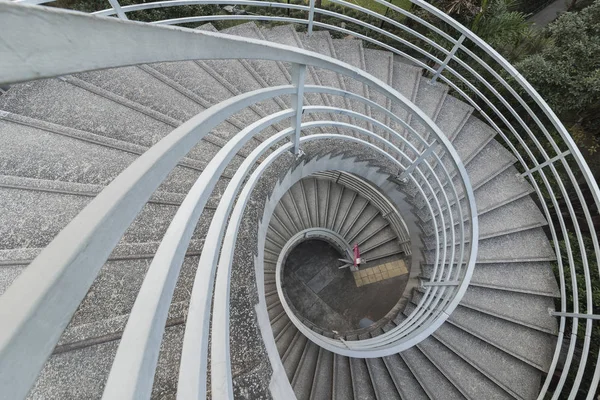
x: 461, y: 373
x: 63, y: 140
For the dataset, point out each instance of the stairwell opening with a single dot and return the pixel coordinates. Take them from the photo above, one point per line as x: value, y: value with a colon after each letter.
x: 335, y: 299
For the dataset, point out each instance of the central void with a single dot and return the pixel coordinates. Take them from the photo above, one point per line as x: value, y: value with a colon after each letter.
x: 336, y: 299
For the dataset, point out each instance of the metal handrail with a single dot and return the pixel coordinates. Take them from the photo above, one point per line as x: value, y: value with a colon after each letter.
x: 469, y: 44
x: 267, y: 52
x: 537, y: 166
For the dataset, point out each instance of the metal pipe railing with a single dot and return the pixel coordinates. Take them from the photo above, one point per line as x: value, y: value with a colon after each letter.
x: 544, y: 150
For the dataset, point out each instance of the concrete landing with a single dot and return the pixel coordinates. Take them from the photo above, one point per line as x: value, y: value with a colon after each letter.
x: 329, y: 297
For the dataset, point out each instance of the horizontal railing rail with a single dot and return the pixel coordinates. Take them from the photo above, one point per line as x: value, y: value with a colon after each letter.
x: 547, y: 155
x: 101, y: 224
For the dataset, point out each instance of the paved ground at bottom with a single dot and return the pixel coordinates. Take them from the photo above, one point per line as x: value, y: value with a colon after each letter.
x: 329, y: 297
x: 369, y: 275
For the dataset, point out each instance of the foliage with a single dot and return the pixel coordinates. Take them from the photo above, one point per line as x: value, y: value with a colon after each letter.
x: 579, y: 276
x: 567, y: 74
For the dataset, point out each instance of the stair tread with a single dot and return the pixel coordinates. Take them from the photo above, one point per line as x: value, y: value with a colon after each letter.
x: 342, y: 378
x: 505, y: 187
x: 362, y: 385
x: 471, y: 138
x: 406, y: 383
x: 433, y: 381
x: 452, y: 116
x: 304, y: 376
x: 34, y: 218
x: 382, y: 381
x: 514, y: 216
x: 471, y: 382
x: 350, y: 52
x: 322, y: 383
x: 529, y: 345
x: 526, y: 277
x: 379, y: 63
x: 529, y: 245
x: 512, y: 374
x: 533, y: 277
x: 526, y: 309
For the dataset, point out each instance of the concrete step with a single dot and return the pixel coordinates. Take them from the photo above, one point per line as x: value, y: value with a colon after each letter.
x: 82, y: 373
x: 321, y: 42
x: 370, y: 228
x: 503, y: 189
x: 532, y: 277
x: 452, y: 116
x: 342, y: 378
x: 380, y: 64
x: 362, y: 385
x: 366, y: 218
x: 106, y: 308
x: 473, y: 137
x: 352, y: 52
x: 406, y: 384
x: 528, y: 345
x: 279, y: 323
x: 514, y: 376
x: 311, y: 193
x: 305, y: 372
x: 323, y: 377
x: 286, y: 34
x: 383, y: 384
x: 199, y: 82
x: 471, y: 383
x: 384, y: 242
x: 285, y: 339
x: 431, y: 379
x: 405, y: 79
x: 40, y: 150
x: 291, y: 357
x: 528, y: 277
x: 525, y: 309
x: 139, y: 89
x: 346, y: 205
x: 73, y: 103
x: 429, y: 99
x: 33, y: 218
x: 519, y: 215
x: 355, y: 212
x: 524, y: 246
x: 492, y: 160
x: 336, y: 195
x: 323, y: 195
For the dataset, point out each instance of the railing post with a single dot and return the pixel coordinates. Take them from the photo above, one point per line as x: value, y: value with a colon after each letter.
x: 311, y: 17
x: 298, y: 75
x: 404, y: 174
x: 117, y: 7
x: 449, y: 57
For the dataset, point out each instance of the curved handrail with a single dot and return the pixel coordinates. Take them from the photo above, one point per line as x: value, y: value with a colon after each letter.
x: 203, y: 45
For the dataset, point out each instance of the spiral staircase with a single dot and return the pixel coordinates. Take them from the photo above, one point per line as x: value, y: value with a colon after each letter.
x: 155, y: 180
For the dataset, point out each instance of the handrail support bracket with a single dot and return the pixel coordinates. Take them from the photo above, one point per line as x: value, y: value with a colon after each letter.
x: 311, y: 17
x: 403, y: 176
x: 449, y: 57
x: 298, y: 79
x: 117, y: 7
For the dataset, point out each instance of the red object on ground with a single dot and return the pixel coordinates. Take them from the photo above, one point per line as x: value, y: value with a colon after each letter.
x: 356, y: 255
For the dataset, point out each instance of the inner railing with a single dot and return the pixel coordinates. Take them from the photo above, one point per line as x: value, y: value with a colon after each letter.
x: 33, y: 319
x: 547, y: 155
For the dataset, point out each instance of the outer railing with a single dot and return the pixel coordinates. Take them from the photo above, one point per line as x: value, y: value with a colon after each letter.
x: 547, y: 155
x: 37, y: 307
